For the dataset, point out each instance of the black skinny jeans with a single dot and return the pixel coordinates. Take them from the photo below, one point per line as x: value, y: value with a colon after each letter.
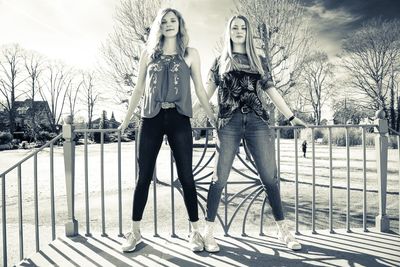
x: 179, y: 132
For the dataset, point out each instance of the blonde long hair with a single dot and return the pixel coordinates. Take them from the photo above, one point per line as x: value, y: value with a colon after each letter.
x: 227, y: 62
x: 156, y: 39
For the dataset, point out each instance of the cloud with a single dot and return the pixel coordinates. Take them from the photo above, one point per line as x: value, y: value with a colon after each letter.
x: 332, y: 21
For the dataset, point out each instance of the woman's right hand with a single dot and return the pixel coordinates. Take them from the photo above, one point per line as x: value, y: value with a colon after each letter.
x: 123, y: 126
x: 298, y: 122
x: 214, y: 122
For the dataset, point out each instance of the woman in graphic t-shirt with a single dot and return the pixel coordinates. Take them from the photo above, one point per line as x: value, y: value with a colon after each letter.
x: 241, y: 76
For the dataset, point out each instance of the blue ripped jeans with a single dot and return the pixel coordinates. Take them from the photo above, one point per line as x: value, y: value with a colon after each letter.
x: 261, y: 143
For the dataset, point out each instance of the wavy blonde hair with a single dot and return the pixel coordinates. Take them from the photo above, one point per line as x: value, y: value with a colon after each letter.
x: 156, y: 38
x: 227, y: 62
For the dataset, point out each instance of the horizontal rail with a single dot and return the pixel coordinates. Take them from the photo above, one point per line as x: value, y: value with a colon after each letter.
x: 34, y: 152
x: 394, y: 131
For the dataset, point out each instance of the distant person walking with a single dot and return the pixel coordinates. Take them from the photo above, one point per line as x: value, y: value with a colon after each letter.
x: 304, y: 148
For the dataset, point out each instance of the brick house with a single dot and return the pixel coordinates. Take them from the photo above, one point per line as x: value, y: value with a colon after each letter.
x: 23, y: 116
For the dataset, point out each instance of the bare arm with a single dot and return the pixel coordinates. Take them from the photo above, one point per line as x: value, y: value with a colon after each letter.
x: 280, y: 103
x: 137, y: 91
x: 198, y: 84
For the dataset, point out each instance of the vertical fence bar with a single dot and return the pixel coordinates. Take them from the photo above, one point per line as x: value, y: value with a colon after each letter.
x: 20, y: 225
x: 348, y: 181
x: 364, y: 181
x: 119, y: 187
x: 4, y: 218
x: 52, y: 198
x: 173, y: 234
x: 103, y: 211
x: 330, y: 182
x: 398, y: 150
x: 278, y: 154
x: 36, y: 200
x: 226, y: 210
x: 155, y: 200
x: 296, y: 184
x: 313, y: 182
x: 87, y: 208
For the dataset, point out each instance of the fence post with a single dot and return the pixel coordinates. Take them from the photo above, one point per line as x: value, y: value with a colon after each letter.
x: 71, y: 226
x: 381, y: 147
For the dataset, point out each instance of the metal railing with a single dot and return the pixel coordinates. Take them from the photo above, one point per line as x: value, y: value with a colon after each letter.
x: 396, y: 133
x: 18, y: 167
x: 254, y: 186
x: 250, y: 194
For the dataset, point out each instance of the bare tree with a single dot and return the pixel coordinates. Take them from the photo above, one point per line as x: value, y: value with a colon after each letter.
x: 56, y: 84
x: 317, y: 82
x: 33, y: 63
x: 73, y: 91
x: 90, y: 95
x: 10, y: 80
x: 122, y: 49
x: 398, y: 110
x: 371, y: 55
x: 283, y: 35
x: 393, y: 85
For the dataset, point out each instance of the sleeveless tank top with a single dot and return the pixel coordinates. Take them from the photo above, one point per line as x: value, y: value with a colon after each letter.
x: 168, y: 80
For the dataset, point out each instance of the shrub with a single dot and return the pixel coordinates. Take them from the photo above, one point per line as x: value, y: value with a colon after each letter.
x: 318, y: 133
x: 339, y: 137
x: 393, y: 142
x: 97, y: 137
x: 45, y: 136
x: 370, y: 139
x: 5, y: 138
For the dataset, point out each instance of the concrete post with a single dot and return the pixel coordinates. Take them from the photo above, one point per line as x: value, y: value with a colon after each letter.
x: 381, y: 147
x: 71, y: 226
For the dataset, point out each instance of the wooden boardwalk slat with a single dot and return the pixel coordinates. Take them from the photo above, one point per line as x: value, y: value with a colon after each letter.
x: 322, y: 249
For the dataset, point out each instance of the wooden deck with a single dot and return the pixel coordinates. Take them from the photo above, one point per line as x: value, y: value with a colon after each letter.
x: 322, y: 249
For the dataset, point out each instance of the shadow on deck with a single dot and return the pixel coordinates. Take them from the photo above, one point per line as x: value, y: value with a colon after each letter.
x: 322, y: 249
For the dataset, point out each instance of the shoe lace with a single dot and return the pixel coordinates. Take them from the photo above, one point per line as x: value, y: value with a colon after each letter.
x: 195, y: 236
x: 286, y: 235
x: 130, y: 235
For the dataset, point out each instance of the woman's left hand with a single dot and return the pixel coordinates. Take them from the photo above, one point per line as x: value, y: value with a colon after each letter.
x: 298, y: 122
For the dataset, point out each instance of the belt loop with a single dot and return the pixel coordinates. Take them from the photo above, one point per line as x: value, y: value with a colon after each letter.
x: 245, y: 109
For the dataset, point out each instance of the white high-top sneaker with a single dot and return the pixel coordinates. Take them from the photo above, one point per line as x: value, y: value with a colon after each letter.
x: 132, y: 238
x: 196, y: 243
x: 210, y: 244
x: 286, y: 237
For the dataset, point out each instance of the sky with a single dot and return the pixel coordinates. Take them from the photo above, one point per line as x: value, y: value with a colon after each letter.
x: 73, y: 30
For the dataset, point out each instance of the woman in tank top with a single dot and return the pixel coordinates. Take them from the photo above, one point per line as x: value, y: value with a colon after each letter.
x: 165, y: 68
x: 241, y: 76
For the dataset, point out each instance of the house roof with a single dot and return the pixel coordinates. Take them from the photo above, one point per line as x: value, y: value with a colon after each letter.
x: 26, y: 104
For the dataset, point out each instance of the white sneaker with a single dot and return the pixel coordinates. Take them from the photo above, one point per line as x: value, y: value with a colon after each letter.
x: 196, y: 242
x: 286, y: 237
x: 132, y: 239
x: 210, y: 245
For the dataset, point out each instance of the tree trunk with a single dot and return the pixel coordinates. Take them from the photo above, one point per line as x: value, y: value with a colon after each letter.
x: 398, y: 113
